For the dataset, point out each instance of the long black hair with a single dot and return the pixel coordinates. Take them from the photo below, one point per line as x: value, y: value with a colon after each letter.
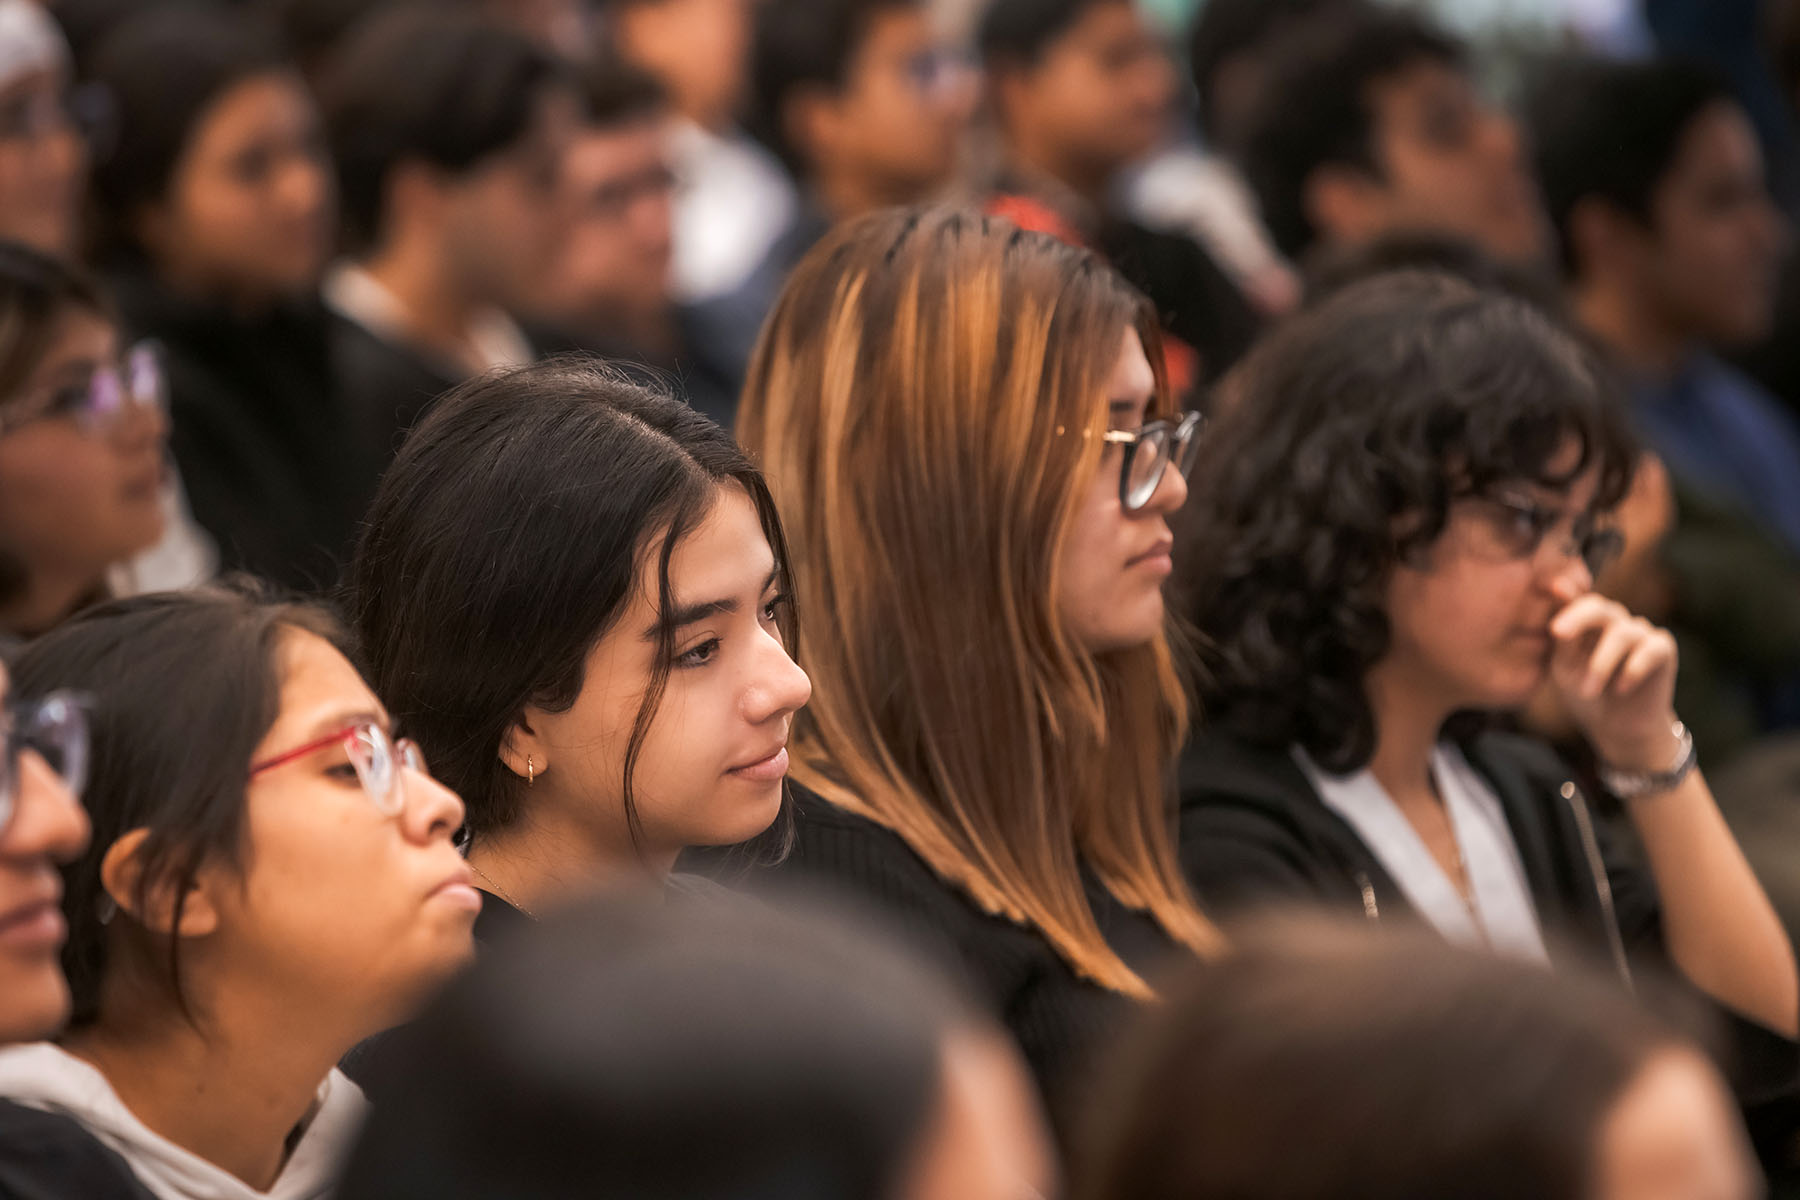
x: 1374, y: 411
x: 183, y: 687
x: 505, y: 542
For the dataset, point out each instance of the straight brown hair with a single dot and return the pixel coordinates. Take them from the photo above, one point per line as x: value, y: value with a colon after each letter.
x: 927, y: 400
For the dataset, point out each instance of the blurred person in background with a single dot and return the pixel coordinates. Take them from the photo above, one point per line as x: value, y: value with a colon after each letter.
x: 735, y: 198
x: 43, y: 161
x: 973, y: 448
x: 83, y: 443
x: 271, y: 877
x: 450, y: 135
x: 1473, y: 1079
x: 867, y: 108
x: 1671, y: 246
x: 1081, y: 90
x: 1197, y: 189
x: 216, y: 212
x: 42, y: 826
x: 1367, y: 122
x: 613, y: 289
x: 628, y: 1049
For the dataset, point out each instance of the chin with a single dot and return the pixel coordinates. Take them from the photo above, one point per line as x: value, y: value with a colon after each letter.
x: 36, y: 1008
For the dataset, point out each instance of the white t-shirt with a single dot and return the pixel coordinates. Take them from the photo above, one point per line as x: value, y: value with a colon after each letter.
x: 1503, y: 915
x: 46, y: 1077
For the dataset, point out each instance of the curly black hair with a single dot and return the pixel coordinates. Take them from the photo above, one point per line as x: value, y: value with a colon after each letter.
x: 1367, y: 415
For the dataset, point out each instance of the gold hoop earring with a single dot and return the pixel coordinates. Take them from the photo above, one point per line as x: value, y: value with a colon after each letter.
x: 530, y: 772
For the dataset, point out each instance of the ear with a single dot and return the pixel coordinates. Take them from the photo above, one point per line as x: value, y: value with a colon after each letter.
x: 414, y: 192
x: 121, y: 874
x: 522, y: 751
x: 810, y: 122
x: 1343, y: 203
x: 1601, y: 235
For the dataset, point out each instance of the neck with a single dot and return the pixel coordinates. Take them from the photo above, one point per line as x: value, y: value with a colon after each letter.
x: 547, y: 859
x: 843, y: 196
x: 1408, y: 720
x: 232, y: 1095
x: 434, y: 311
x: 49, y: 596
x: 1035, y: 157
x: 651, y: 333
x: 1631, y: 328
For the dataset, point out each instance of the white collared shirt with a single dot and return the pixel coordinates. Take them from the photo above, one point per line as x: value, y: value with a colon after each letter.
x: 1502, y: 915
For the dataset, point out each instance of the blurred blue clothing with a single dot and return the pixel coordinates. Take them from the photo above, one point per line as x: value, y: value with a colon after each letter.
x: 1722, y: 435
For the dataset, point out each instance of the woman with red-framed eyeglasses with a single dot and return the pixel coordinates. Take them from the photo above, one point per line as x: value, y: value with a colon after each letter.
x: 272, y: 879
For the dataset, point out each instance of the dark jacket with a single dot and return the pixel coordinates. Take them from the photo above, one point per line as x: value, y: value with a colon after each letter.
x: 49, y: 1156
x: 273, y: 467
x: 1010, y: 971
x: 1255, y: 834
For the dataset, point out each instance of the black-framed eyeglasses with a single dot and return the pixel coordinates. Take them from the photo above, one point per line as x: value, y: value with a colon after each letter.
x: 55, y: 728
x: 1526, y: 524
x: 98, y: 403
x: 1149, y: 450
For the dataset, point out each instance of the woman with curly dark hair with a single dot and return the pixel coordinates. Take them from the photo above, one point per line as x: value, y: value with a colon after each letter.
x: 1395, y: 531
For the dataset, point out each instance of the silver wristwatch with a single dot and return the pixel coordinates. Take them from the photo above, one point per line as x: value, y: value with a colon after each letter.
x: 1630, y: 785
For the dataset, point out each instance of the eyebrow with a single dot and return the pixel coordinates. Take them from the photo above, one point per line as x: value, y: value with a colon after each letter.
x: 688, y: 614
x: 328, y: 725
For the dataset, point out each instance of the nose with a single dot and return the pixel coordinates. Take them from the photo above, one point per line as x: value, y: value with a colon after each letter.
x: 1569, y: 577
x: 47, y: 821
x: 431, y: 810
x: 1170, y: 494
x: 779, y: 689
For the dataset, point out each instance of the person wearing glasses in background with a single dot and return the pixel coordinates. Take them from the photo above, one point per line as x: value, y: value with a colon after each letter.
x: 85, y: 486
x: 272, y: 878
x: 976, y: 460
x: 1395, y: 532
x: 42, y: 825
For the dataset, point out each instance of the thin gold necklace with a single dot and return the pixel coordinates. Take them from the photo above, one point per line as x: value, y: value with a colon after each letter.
x: 500, y: 891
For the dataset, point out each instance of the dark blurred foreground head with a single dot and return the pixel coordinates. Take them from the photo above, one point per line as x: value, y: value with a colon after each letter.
x: 701, y: 1050
x: 1333, y: 1062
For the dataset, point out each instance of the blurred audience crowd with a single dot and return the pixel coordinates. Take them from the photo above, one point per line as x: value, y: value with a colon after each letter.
x: 897, y: 600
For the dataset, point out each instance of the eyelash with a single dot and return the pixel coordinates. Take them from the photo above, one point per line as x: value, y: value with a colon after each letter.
x: 702, y: 654
x: 343, y: 771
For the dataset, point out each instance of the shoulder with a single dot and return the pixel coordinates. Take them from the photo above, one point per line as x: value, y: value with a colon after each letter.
x: 46, y: 1155
x: 1254, y: 832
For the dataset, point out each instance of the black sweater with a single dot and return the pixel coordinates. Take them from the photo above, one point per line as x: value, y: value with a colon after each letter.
x: 1011, y: 971
x: 48, y: 1156
x: 1254, y: 833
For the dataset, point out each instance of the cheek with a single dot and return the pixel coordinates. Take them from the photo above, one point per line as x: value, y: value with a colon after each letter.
x: 58, y: 486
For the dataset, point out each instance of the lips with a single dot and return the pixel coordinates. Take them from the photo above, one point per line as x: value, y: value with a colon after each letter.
x: 1163, y: 549
x: 36, y: 922
x: 767, y: 769
x: 459, y: 888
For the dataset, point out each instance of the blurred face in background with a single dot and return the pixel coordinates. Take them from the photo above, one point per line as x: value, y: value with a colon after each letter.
x: 1446, y: 161
x: 620, y: 190
x: 897, y: 124
x: 504, y: 221
x: 1098, y: 99
x: 1711, y: 257
x: 699, y: 49
x: 80, y: 489
x: 43, y: 162
x: 250, y: 208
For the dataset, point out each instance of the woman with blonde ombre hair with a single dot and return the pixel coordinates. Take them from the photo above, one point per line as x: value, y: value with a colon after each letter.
x: 967, y: 431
